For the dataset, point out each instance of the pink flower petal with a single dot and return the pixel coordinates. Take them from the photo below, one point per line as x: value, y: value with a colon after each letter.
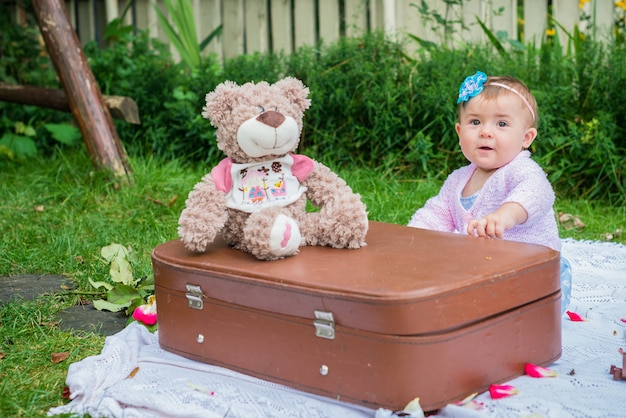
x: 474, y: 405
x: 623, y: 319
x: 470, y: 403
x: 538, y: 371
x: 573, y: 316
x: 467, y: 399
x: 146, y: 313
x: 502, y: 391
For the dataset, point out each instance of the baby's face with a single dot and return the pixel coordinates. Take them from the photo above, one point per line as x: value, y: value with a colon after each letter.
x: 492, y: 132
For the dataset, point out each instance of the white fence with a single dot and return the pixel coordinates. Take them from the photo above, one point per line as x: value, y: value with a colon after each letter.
x: 273, y: 25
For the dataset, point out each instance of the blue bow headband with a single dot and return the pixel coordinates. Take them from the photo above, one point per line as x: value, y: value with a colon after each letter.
x: 474, y: 84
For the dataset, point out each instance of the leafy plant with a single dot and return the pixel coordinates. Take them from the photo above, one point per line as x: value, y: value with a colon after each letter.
x: 446, y: 22
x: 182, y: 31
x: 23, y: 58
x: 497, y: 40
x: 63, y: 132
x: 21, y: 144
x: 126, y: 292
x: 116, y: 30
x: 18, y: 144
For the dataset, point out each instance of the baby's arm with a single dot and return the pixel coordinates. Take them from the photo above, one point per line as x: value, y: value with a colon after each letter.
x: 494, y: 224
x: 530, y: 196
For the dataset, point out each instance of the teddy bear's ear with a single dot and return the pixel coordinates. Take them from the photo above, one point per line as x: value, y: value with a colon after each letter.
x: 295, y: 91
x: 220, y: 101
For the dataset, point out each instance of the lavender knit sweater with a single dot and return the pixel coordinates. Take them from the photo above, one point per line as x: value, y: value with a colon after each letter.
x: 521, y: 181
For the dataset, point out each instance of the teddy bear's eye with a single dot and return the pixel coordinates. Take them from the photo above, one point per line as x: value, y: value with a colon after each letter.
x: 261, y: 109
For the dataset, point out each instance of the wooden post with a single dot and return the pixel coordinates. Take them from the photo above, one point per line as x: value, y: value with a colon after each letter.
x: 83, y: 94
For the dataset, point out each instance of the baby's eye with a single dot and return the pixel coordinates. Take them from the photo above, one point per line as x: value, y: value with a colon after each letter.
x: 261, y: 109
x: 475, y: 122
x: 502, y: 124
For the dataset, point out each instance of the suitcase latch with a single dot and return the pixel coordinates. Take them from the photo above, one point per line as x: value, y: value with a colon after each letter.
x: 194, y: 296
x: 324, y: 325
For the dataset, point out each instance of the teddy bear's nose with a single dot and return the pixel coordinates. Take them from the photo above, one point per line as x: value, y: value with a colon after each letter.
x: 271, y: 118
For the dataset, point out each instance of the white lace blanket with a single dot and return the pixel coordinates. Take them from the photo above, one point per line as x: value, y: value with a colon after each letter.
x: 164, y: 384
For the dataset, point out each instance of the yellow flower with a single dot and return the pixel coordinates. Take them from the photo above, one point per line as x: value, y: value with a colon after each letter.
x: 621, y: 4
x: 550, y: 32
x: 581, y: 3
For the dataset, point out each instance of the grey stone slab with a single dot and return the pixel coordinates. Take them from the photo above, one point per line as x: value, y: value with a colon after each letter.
x: 29, y: 286
x: 87, y: 318
x: 82, y: 318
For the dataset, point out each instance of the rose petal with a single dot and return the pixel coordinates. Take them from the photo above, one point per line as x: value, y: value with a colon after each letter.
x: 146, y: 313
x: 574, y: 317
x: 148, y: 319
x: 467, y: 399
x: 414, y: 408
x: 538, y: 371
x: 502, y: 391
x: 474, y: 405
x: 470, y: 403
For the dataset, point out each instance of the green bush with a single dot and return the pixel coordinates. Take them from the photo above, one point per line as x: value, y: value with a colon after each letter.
x: 168, y: 98
x: 23, y: 60
x: 374, y: 106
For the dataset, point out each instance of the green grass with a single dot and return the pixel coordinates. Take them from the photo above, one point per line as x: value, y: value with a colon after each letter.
x: 56, y: 214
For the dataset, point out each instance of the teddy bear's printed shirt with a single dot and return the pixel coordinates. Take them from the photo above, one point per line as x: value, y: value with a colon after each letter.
x: 253, y: 186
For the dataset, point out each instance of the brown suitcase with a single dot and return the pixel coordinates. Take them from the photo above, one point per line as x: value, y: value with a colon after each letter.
x: 415, y: 313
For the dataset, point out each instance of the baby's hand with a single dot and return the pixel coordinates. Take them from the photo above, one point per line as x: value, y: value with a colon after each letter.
x: 494, y: 224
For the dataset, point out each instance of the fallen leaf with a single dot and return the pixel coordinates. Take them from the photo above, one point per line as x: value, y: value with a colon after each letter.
x: 565, y: 217
x: 567, y: 220
x: 2, y: 355
x: 578, y: 223
x: 59, y: 357
x: 609, y: 236
x: 153, y: 200
x: 173, y: 200
x: 66, y: 394
x: 39, y: 208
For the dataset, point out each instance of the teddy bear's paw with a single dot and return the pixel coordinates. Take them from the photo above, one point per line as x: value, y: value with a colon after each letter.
x: 285, y: 236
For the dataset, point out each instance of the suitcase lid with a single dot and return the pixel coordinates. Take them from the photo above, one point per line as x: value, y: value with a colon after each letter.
x: 406, y: 281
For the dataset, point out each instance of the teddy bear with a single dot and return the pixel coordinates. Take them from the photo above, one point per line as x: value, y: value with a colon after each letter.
x: 256, y: 197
